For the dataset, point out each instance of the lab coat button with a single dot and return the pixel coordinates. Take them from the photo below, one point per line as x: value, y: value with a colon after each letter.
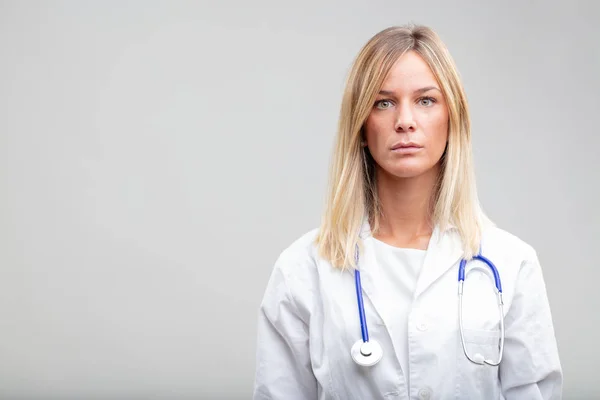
x: 425, y: 394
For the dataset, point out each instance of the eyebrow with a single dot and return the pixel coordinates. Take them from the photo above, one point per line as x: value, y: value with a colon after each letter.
x: 418, y: 91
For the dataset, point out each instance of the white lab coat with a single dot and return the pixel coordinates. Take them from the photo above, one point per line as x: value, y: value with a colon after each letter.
x: 308, y: 321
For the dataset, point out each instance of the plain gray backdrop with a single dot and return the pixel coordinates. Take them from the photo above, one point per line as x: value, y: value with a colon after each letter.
x: 156, y: 157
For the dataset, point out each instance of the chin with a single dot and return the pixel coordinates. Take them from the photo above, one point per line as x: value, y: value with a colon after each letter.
x: 410, y: 171
x: 407, y: 174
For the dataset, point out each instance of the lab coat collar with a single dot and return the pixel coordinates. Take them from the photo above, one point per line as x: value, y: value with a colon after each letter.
x: 443, y: 252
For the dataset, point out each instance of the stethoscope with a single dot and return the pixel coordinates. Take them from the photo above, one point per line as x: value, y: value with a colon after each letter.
x: 367, y: 352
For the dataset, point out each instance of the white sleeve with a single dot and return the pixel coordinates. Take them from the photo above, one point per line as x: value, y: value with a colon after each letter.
x: 283, y: 367
x: 530, y: 368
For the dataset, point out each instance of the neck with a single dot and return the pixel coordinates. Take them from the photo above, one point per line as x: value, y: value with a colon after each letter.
x: 407, y: 205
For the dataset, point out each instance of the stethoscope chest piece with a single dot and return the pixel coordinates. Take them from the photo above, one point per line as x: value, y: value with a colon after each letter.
x: 366, y: 354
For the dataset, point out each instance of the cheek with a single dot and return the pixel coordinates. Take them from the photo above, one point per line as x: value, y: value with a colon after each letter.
x: 371, y: 129
x: 374, y: 134
x: 437, y: 132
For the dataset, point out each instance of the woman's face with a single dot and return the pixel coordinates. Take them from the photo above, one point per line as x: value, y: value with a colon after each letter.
x: 407, y: 130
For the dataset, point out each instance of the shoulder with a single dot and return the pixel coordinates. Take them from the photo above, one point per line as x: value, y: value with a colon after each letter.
x: 300, y: 249
x: 293, y: 278
x: 516, y: 260
x: 498, y: 240
x: 298, y: 260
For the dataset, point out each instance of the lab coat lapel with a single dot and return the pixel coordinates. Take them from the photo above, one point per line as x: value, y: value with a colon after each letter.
x: 443, y: 252
x: 370, y: 274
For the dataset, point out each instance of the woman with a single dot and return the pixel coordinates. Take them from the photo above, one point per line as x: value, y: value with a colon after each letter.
x: 403, y: 211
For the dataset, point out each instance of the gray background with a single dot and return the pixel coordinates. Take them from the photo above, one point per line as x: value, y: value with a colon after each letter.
x: 155, y: 158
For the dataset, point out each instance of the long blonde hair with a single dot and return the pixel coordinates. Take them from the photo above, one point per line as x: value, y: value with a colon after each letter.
x: 352, y: 193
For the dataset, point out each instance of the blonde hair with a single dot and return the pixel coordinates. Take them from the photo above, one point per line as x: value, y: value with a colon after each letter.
x: 352, y: 188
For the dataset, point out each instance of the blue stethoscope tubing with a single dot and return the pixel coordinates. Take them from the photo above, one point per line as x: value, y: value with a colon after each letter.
x: 478, y: 358
x: 367, y: 352
x: 364, y: 352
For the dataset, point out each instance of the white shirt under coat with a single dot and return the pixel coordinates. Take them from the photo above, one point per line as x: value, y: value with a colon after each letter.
x: 308, y: 322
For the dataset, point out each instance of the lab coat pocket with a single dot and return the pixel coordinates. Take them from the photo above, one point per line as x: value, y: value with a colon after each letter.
x: 482, y: 337
x: 475, y: 380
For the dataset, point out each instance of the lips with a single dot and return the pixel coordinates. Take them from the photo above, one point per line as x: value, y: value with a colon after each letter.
x: 407, y: 145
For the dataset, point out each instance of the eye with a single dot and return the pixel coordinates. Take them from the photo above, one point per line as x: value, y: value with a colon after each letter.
x: 383, y: 104
x: 427, y: 101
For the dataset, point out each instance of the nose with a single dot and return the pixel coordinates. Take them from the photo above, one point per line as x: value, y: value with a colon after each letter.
x: 405, y: 121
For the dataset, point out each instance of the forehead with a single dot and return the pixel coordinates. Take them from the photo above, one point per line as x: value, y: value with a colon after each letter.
x: 410, y: 71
